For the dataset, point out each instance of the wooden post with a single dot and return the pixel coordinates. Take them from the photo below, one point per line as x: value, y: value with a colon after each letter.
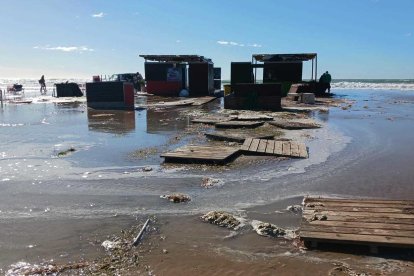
x: 1, y: 97
x: 312, y: 77
x: 316, y: 67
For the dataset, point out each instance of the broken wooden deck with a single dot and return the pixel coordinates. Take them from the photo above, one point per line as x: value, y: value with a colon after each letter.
x: 201, y: 154
x: 239, y: 124
x: 272, y: 147
x: 294, y: 124
x: 358, y: 221
x: 235, y: 136
x: 210, y: 120
x: 252, y: 118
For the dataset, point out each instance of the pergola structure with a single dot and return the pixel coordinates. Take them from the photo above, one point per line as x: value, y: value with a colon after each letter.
x: 286, y: 58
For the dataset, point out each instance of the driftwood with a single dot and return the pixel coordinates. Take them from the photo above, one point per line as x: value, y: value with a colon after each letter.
x: 138, y: 237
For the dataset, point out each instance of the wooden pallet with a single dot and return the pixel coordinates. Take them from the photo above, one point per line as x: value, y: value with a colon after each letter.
x: 235, y: 136
x: 210, y: 120
x: 239, y: 124
x: 358, y: 221
x: 294, y: 124
x: 252, y: 118
x: 271, y: 147
x: 201, y: 154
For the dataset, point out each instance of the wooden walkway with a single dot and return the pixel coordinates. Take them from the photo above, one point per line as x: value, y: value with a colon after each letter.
x: 358, y: 221
x: 272, y: 147
x: 239, y: 124
x: 201, y: 154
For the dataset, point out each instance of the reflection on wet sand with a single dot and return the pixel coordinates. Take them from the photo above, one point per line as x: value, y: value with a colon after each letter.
x: 166, y: 120
x: 111, y: 121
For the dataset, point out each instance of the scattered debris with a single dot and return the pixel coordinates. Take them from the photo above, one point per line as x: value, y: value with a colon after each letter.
x: 318, y: 217
x: 208, y: 182
x: 267, y: 229
x: 177, y: 198
x: 165, y: 251
x: 66, y: 152
x: 139, y: 236
x: 295, y: 209
x: 110, y: 245
x: 147, y: 169
x: 315, y: 204
x: 222, y: 219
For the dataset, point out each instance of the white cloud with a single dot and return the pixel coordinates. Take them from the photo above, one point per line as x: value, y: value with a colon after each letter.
x: 98, y: 15
x: 232, y: 43
x: 67, y: 49
x: 255, y: 45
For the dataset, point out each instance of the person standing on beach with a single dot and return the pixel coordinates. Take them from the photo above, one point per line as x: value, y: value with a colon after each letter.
x: 42, y: 83
x: 325, y: 80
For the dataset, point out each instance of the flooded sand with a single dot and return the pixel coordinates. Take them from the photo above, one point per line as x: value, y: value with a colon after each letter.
x: 59, y: 205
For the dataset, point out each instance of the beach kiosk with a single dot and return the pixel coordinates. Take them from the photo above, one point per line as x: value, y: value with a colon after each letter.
x: 280, y: 71
x: 168, y: 75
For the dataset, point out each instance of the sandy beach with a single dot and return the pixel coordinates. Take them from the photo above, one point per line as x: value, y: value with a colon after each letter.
x: 60, y: 210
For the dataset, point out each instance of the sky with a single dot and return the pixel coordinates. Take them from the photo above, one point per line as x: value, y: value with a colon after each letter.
x: 358, y: 39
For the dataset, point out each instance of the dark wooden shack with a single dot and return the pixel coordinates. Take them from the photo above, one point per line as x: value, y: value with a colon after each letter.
x: 279, y: 72
x: 67, y: 89
x: 167, y: 75
x: 110, y: 95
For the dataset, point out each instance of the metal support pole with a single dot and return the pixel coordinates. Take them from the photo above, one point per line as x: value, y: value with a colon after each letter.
x: 1, y: 97
x: 316, y: 68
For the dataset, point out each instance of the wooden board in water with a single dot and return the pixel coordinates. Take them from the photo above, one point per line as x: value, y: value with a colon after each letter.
x: 201, y: 154
x: 361, y: 221
x: 278, y: 148
x: 294, y: 124
x: 239, y: 124
x: 233, y: 136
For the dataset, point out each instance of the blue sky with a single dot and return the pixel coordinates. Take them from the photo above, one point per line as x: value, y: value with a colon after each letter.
x: 80, y: 38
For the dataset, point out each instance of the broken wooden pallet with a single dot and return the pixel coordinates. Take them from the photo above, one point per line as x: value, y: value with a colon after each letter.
x: 252, y: 118
x: 234, y: 136
x: 294, y: 124
x: 358, y: 221
x: 201, y: 154
x: 239, y: 124
x: 272, y: 147
x: 210, y: 120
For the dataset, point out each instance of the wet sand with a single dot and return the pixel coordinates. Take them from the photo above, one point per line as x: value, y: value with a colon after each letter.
x: 376, y: 162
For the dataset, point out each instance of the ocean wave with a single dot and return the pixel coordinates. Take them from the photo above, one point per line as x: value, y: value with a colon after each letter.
x: 403, y: 85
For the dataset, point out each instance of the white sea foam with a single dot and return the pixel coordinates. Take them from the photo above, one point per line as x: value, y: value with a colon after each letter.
x: 403, y: 85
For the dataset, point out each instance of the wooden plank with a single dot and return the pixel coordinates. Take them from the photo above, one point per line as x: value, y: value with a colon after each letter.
x: 366, y: 219
x: 205, y: 154
x: 359, y: 224
x: 359, y: 231
x: 370, y: 209
x: 358, y: 238
x: 359, y: 214
x: 294, y: 148
x: 232, y: 136
x: 254, y: 145
x: 278, y: 150
x: 253, y: 118
x: 379, y: 201
x: 262, y: 146
x: 270, y: 146
x: 286, y: 148
x: 294, y: 124
x: 247, y: 143
x: 239, y: 124
x: 361, y: 204
x: 202, y: 100
x: 209, y: 121
x: 303, y: 151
